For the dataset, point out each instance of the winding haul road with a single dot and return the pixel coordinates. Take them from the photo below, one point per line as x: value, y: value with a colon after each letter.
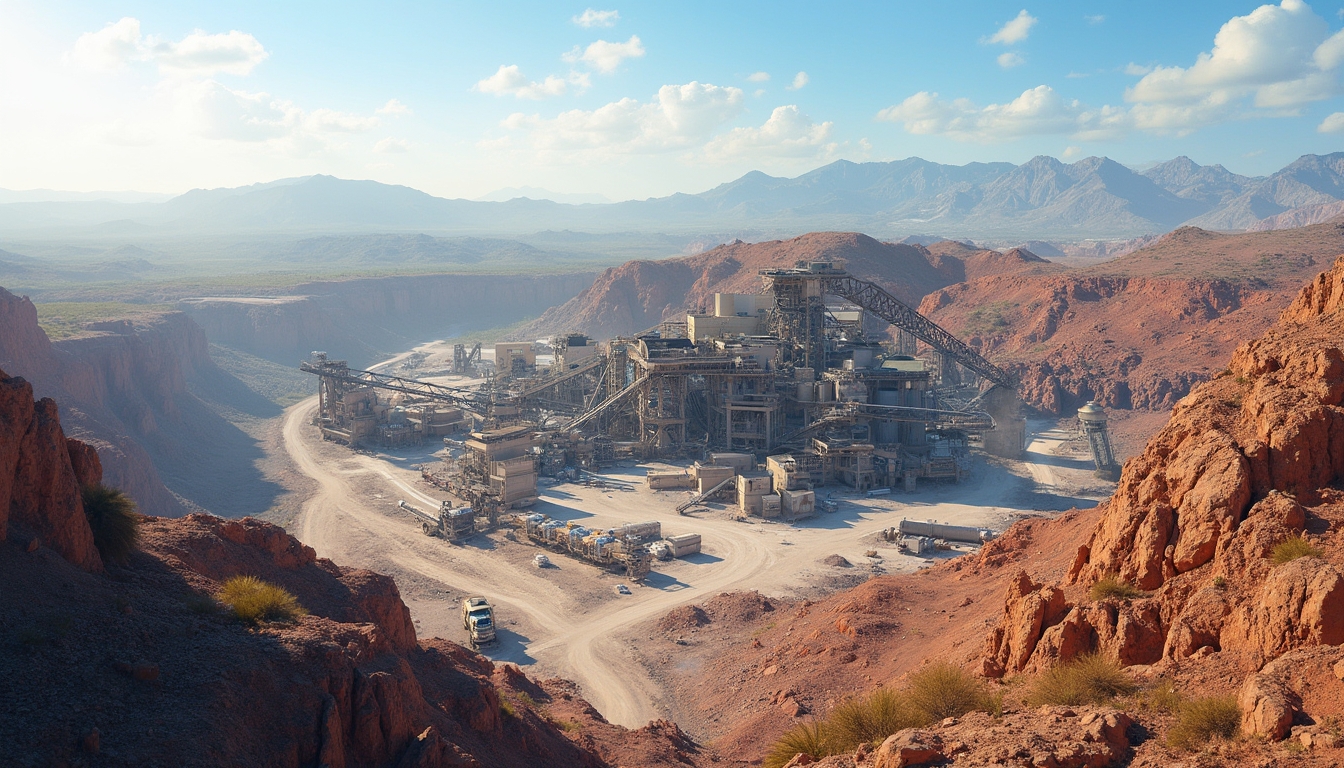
x: 577, y: 637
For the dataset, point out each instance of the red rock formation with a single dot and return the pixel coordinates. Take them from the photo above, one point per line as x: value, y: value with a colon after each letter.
x: 143, y: 668
x: 1246, y: 461
x: 39, y: 485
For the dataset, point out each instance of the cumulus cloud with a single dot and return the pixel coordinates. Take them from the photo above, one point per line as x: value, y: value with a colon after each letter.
x: 592, y: 18
x: 758, y: 77
x: 220, y: 112
x: 393, y: 107
x: 1038, y: 111
x: 1071, y: 152
x: 510, y: 81
x: 787, y: 133
x: 1269, y: 63
x: 1015, y: 31
x: 198, y: 54
x: 1332, y: 124
x: 235, y: 53
x: 1010, y: 59
x: 111, y: 47
x: 681, y: 115
x: 604, y: 56
x: 799, y: 80
x: 1280, y: 57
x: 390, y: 145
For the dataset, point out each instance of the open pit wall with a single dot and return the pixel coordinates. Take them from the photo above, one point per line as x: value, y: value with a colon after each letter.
x: 366, y: 320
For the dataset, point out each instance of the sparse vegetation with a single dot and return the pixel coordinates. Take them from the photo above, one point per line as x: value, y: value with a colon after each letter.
x: 1162, y: 697
x: 942, y: 690
x: 1202, y: 720
x: 935, y: 692
x: 988, y: 319
x: 527, y: 700
x: 1089, y: 679
x: 871, y: 718
x: 1108, y: 587
x: 1292, y: 548
x: 253, y: 600
x: 114, y: 520
x: 809, y: 738
x: 64, y: 319
x: 507, y: 709
x: 1219, y: 582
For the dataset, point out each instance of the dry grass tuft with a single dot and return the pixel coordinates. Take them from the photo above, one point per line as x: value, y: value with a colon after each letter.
x: 1200, y: 721
x: 1089, y: 679
x: 1112, y: 587
x: 254, y: 601
x: 1292, y: 548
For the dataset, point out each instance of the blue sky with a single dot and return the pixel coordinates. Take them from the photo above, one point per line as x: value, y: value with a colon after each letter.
x: 634, y: 100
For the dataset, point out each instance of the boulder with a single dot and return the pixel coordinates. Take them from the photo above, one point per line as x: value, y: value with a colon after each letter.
x: 1266, y: 706
x: 909, y: 747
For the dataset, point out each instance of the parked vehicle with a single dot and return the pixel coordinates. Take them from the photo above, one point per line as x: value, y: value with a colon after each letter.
x: 541, y: 561
x: 621, y: 589
x: 478, y: 618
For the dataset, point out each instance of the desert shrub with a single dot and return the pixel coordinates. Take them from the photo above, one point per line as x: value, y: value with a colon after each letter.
x: 942, y: 690
x: 1111, y: 586
x: 813, y: 739
x: 1162, y: 697
x: 1202, y: 720
x: 506, y: 708
x: 871, y: 718
x: 254, y: 600
x: 1089, y: 679
x: 1292, y: 548
x: 114, y: 520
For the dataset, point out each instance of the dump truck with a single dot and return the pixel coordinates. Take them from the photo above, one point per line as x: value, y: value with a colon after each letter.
x: 449, y: 522
x: 478, y: 618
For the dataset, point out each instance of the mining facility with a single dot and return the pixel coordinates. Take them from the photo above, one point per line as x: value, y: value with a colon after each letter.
x: 769, y: 395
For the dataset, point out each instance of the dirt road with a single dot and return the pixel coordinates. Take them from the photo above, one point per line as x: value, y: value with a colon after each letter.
x: 567, y: 620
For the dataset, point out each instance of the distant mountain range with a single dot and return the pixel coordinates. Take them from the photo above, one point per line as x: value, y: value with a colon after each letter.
x: 1044, y: 198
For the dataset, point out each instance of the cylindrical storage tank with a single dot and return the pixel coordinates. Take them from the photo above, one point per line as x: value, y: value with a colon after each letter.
x: 888, y: 432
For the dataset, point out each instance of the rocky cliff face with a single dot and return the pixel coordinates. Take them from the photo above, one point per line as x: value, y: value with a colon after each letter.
x: 41, y: 473
x: 1140, y: 331
x: 367, y: 320
x: 130, y: 389
x: 140, y: 666
x: 1248, y: 460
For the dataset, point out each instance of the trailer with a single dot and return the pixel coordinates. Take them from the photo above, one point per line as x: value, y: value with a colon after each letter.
x: 451, y: 523
x: 945, y: 531
x: 608, y: 549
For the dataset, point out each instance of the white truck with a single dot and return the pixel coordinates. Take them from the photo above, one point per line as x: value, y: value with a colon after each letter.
x: 478, y: 618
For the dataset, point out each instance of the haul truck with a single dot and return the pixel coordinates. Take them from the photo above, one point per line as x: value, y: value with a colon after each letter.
x: 478, y: 618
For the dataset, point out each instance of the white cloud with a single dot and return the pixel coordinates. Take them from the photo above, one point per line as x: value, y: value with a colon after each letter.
x: 1280, y: 57
x: 393, y: 107
x: 1097, y: 19
x: 111, y: 47
x: 1015, y: 31
x: 1332, y: 124
x: 234, y: 53
x: 509, y: 80
x: 759, y: 92
x: 198, y: 54
x: 606, y: 57
x: 799, y: 80
x: 220, y: 112
x: 390, y: 146
x: 758, y: 77
x: 681, y: 116
x: 592, y: 18
x: 1010, y: 59
x: 1071, y: 152
x: 1038, y: 111
x: 1137, y: 70
x: 787, y: 133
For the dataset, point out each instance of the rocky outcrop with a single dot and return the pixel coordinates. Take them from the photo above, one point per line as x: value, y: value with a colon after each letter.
x: 143, y: 666
x: 39, y: 484
x: 1246, y: 461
